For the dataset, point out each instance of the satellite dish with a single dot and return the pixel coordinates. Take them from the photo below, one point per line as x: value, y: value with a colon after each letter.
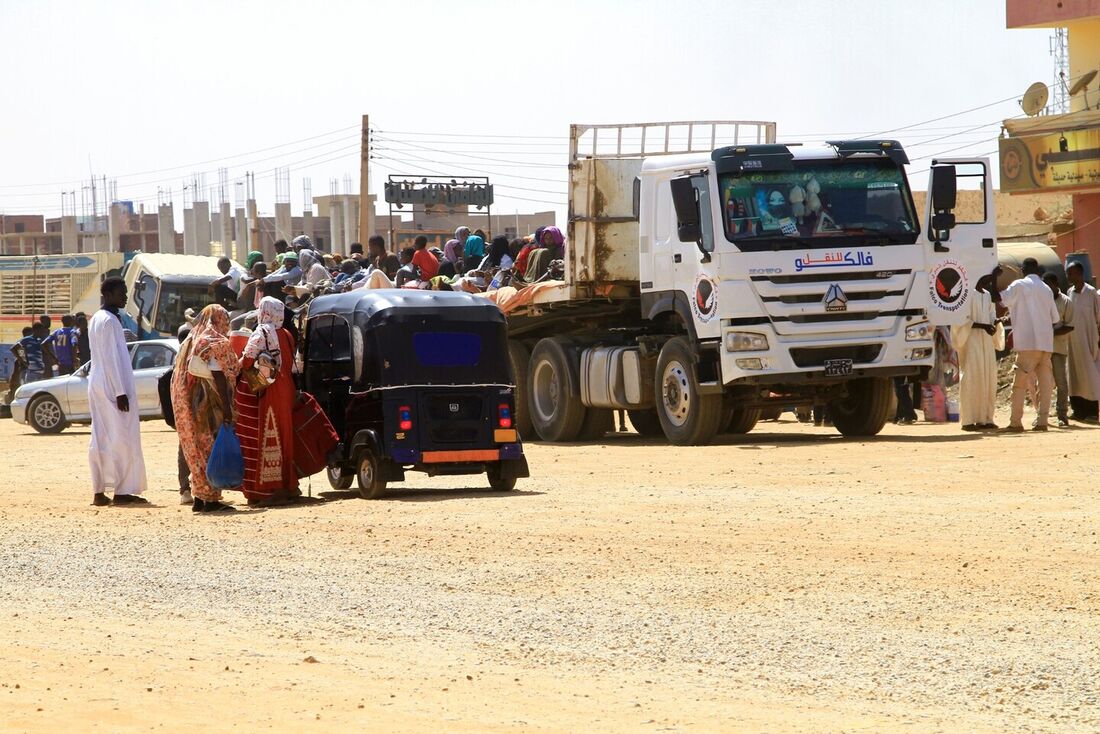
x: 1082, y: 83
x: 1035, y: 99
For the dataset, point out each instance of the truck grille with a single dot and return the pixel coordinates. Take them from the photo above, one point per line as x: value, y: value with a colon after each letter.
x: 873, y: 300
x: 816, y: 356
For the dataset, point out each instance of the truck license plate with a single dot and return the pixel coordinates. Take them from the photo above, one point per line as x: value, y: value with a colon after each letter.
x: 838, y: 367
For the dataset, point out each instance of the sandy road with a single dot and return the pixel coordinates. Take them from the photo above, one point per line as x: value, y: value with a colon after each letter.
x: 926, y: 580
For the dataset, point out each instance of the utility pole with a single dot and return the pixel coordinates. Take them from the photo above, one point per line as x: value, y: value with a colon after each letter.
x: 364, y: 198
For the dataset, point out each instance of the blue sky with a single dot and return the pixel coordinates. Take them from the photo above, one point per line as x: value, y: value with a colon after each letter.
x: 147, y: 93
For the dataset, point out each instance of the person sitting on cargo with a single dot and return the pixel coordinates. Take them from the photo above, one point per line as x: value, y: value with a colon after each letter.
x: 473, y: 250
x: 531, y: 243
x: 457, y: 251
x: 407, y: 272
x: 314, y: 272
x: 281, y: 248
x: 231, y: 275
x: 376, y: 251
x: 538, y: 263
x: 348, y: 274
x: 301, y: 242
x: 289, y: 274
x: 499, y: 255
x: 425, y: 262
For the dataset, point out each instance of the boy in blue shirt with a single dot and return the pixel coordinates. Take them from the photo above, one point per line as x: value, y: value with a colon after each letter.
x: 64, y: 342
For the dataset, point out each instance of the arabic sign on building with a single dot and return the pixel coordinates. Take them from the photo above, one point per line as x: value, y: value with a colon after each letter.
x: 429, y: 191
x: 1042, y: 162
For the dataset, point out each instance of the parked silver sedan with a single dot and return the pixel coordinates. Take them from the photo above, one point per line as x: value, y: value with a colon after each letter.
x: 49, y: 406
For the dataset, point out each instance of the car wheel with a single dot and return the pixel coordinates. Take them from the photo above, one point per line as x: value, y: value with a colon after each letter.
x: 45, y: 415
x: 371, y: 485
x: 498, y: 481
x: 339, y: 477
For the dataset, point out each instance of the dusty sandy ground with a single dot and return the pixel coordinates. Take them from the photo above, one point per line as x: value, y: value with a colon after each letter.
x: 927, y: 580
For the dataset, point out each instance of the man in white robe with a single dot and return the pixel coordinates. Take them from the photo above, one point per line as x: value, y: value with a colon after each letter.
x: 973, y: 341
x: 1084, y: 345
x: 115, y: 450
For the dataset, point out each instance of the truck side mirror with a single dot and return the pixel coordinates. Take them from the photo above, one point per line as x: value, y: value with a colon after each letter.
x: 686, y: 202
x: 943, y: 188
x: 942, y: 192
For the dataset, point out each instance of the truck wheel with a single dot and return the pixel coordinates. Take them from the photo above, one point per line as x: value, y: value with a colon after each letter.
x: 497, y: 480
x: 520, y: 358
x: 688, y: 418
x: 556, y: 415
x: 339, y: 477
x: 45, y: 415
x: 741, y: 420
x: 597, y: 422
x: 866, y: 408
x: 646, y: 422
x: 371, y: 486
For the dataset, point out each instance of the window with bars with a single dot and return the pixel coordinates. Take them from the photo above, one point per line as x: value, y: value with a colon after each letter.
x: 31, y: 294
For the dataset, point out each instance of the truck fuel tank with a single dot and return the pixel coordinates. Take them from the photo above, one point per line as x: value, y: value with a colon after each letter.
x: 615, y: 377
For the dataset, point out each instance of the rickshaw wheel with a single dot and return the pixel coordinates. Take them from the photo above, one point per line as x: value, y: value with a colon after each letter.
x: 497, y: 480
x: 339, y: 477
x: 371, y: 485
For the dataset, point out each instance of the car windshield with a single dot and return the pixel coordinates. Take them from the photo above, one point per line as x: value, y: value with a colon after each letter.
x: 817, y: 203
x: 174, y: 300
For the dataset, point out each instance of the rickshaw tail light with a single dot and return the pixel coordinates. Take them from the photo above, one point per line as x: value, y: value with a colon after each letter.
x: 404, y: 418
x: 504, y: 415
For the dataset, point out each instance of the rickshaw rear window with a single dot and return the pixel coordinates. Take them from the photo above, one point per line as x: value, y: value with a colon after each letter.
x: 447, y: 349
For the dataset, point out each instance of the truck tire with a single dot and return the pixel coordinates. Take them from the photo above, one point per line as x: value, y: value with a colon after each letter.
x: 597, y: 423
x: 866, y: 408
x: 646, y: 422
x: 556, y: 414
x: 741, y: 420
x: 520, y: 357
x: 688, y: 417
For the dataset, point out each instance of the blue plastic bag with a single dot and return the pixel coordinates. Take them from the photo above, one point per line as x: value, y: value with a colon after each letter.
x: 225, y: 469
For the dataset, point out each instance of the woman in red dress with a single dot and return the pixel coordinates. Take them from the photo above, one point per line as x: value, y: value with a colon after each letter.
x: 264, y: 421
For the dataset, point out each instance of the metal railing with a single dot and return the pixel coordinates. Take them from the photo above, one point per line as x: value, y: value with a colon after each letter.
x: 635, y: 140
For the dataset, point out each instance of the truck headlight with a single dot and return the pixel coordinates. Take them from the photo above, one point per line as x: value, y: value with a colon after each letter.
x: 918, y: 332
x: 743, y: 341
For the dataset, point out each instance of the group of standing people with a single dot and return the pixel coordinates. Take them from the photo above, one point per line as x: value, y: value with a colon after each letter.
x: 211, y: 386
x: 44, y: 352
x: 1056, y: 338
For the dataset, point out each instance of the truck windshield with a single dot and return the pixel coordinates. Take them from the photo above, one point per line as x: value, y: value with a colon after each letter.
x: 816, y: 203
x: 174, y: 300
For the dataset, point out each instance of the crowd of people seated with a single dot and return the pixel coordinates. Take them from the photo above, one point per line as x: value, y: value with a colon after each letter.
x: 468, y: 262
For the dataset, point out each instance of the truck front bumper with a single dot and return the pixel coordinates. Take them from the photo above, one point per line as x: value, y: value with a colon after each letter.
x: 802, y: 362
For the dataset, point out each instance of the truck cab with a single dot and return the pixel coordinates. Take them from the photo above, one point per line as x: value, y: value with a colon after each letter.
x: 760, y: 275
x: 163, y: 286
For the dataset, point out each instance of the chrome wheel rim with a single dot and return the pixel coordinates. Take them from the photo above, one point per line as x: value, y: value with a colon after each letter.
x: 47, y: 414
x: 545, y: 391
x: 676, y: 393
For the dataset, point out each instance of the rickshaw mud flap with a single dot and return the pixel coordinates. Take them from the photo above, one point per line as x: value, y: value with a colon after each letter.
x: 514, y: 468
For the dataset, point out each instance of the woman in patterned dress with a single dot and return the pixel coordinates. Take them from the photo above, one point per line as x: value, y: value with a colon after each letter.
x: 264, y: 421
x: 203, y: 404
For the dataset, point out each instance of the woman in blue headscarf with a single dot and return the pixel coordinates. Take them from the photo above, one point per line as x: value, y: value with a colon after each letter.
x: 474, y: 250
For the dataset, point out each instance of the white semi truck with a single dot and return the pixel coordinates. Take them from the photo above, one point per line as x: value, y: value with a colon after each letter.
x: 705, y: 283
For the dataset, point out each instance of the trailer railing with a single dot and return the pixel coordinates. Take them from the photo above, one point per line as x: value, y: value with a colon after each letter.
x: 639, y: 139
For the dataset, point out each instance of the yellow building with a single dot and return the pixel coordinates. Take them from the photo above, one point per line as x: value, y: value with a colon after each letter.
x: 1061, y: 153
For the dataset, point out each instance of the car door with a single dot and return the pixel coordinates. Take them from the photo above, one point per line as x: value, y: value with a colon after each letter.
x: 694, y: 267
x: 956, y: 256
x: 74, y: 400
x: 150, y: 361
